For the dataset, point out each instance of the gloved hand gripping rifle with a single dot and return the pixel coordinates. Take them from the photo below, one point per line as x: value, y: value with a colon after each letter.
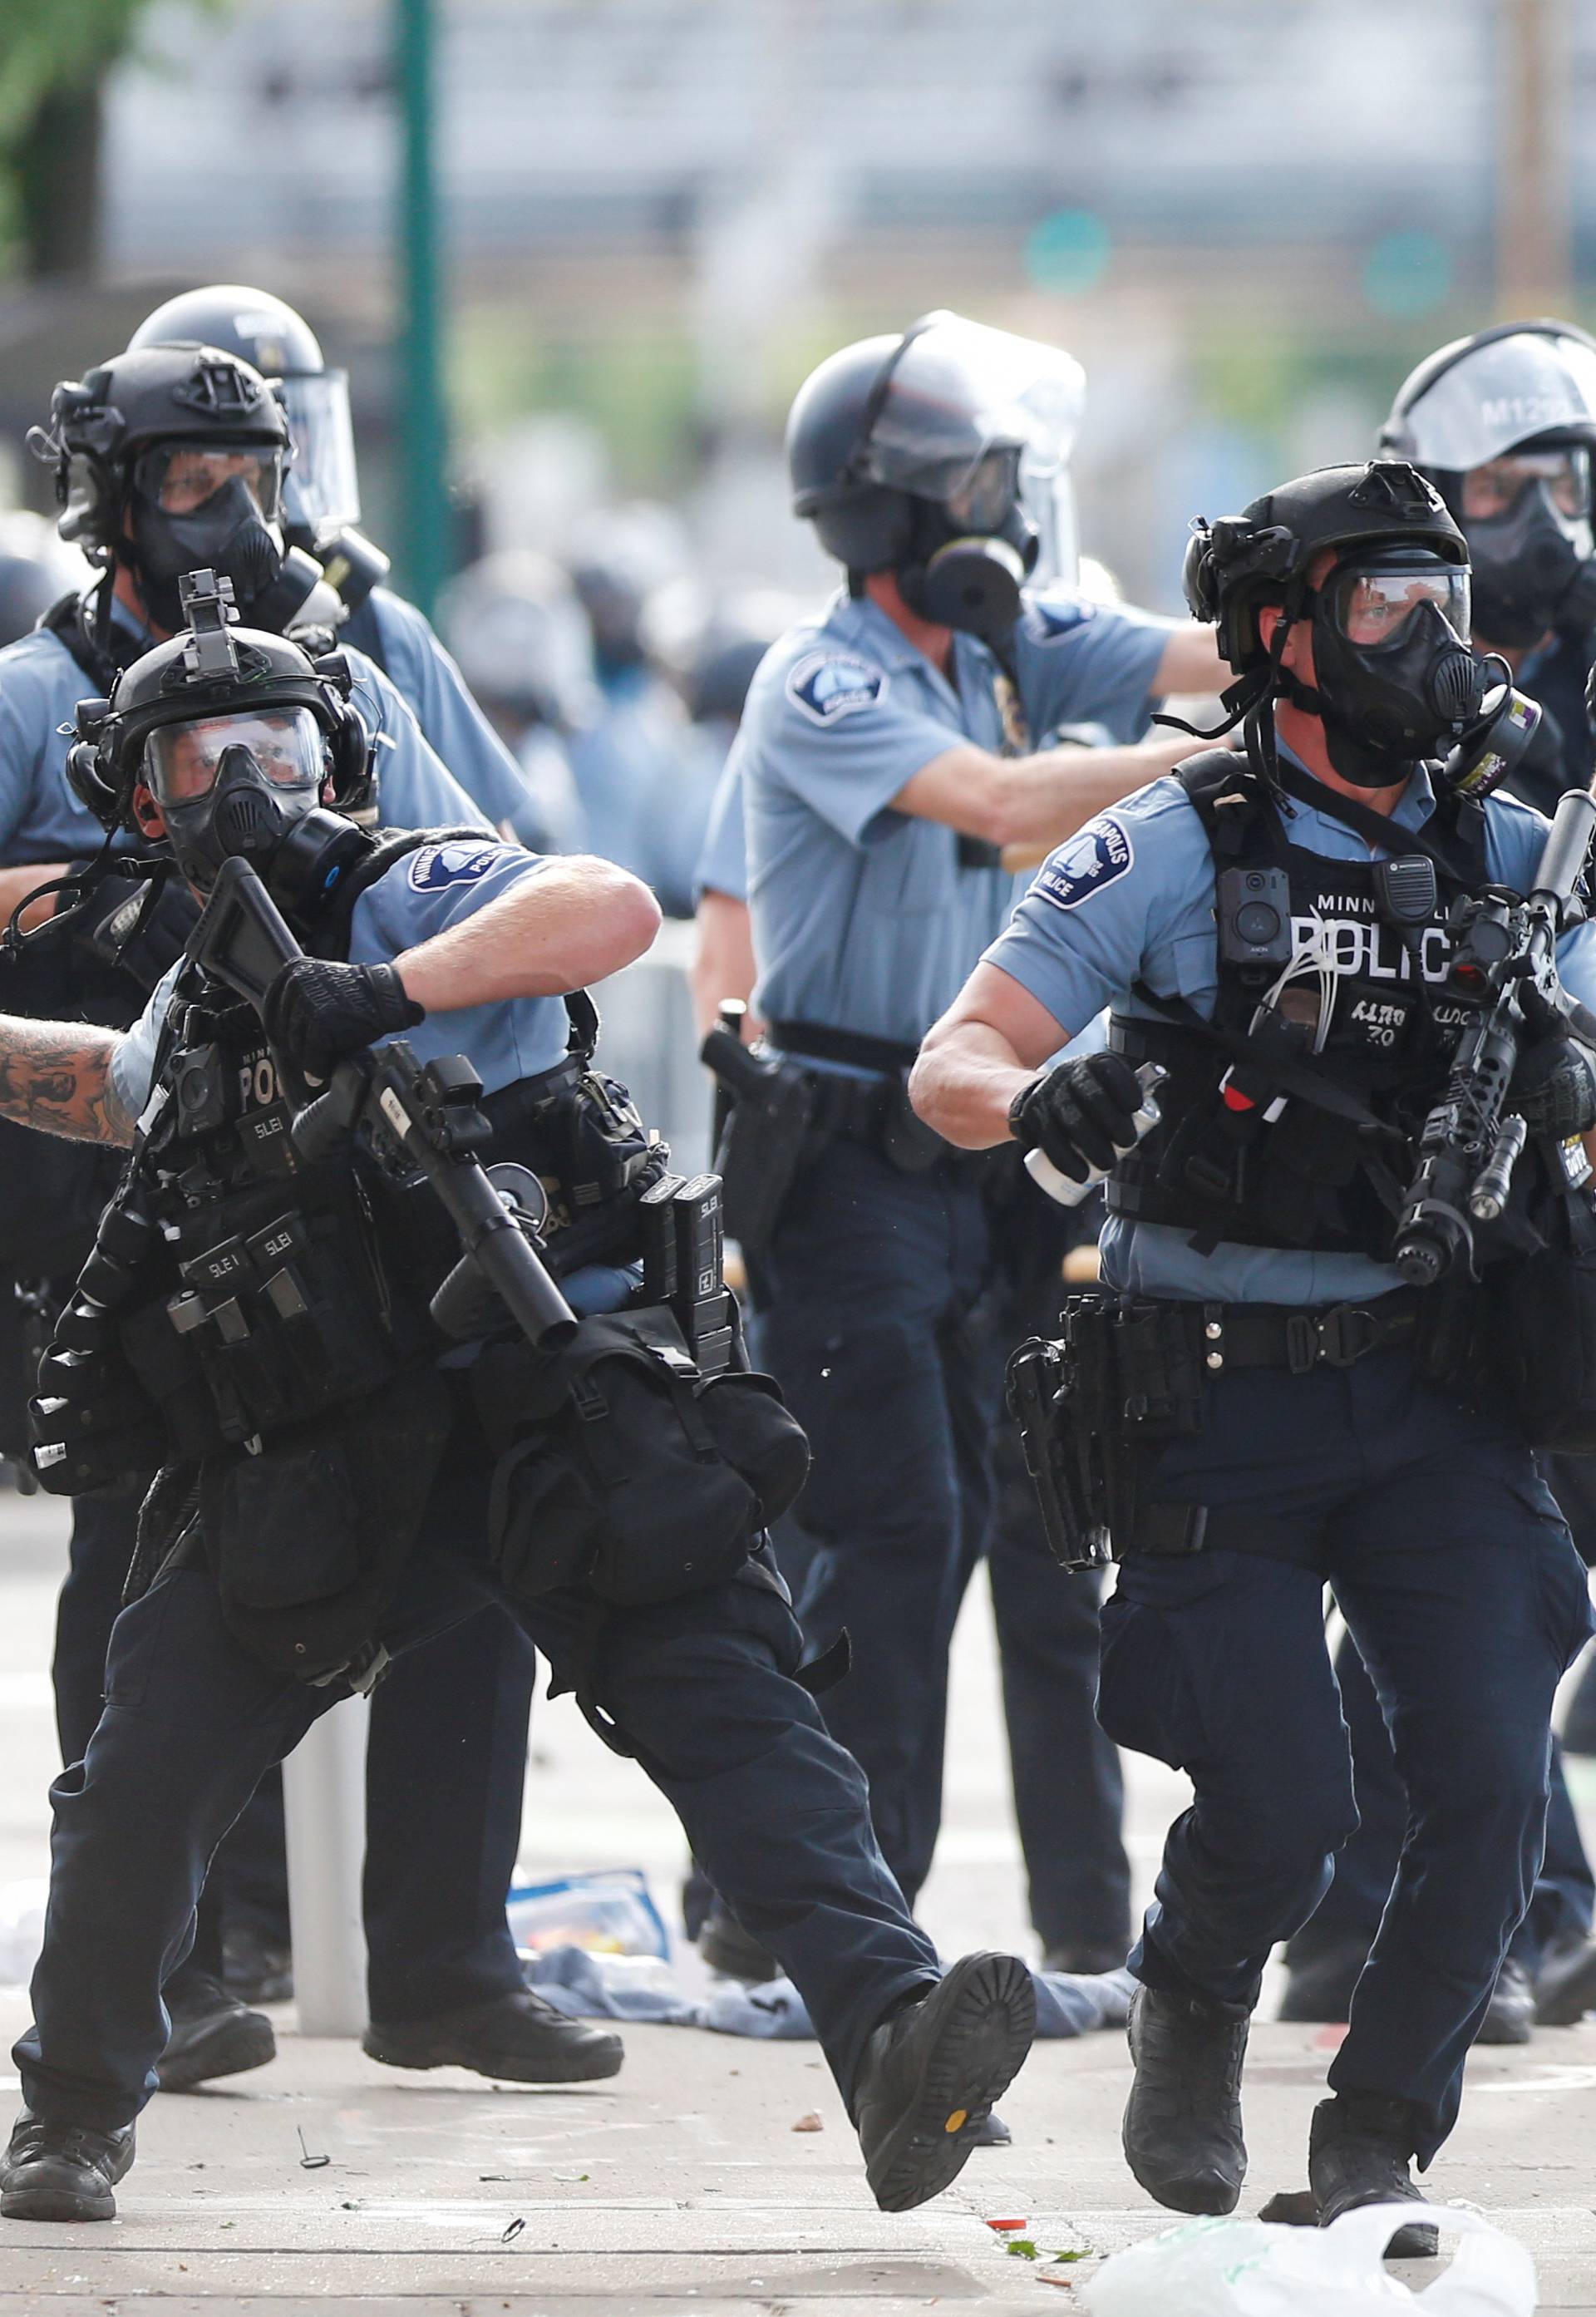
x: 1505, y: 964
x: 424, y: 1115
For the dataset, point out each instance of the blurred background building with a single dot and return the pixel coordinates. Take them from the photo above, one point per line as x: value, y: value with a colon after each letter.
x: 654, y: 216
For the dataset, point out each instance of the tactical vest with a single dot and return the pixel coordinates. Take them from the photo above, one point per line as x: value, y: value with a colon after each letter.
x: 1290, y: 1120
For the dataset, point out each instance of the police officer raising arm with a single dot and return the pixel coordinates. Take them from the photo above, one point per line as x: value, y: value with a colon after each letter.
x: 1278, y: 937
x: 277, y: 1308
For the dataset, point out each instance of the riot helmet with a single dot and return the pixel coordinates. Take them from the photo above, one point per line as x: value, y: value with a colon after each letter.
x: 239, y: 737
x: 915, y: 454
x: 1503, y: 424
x: 171, y: 459
x: 321, y: 494
x: 1390, y: 614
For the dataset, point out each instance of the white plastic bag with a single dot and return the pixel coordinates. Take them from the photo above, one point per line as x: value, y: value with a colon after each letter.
x: 1257, y: 2269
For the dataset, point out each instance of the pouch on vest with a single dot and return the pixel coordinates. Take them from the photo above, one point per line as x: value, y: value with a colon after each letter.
x: 307, y: 1539
x: 623, y: 1469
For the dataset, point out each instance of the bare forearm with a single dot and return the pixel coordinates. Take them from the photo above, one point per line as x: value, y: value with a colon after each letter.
x: 16, y: 884
x: 56, y: 1075
x: 966, y: 1076
x: 578, y: 921
x: 1041, y: 800
x: 723, y: 964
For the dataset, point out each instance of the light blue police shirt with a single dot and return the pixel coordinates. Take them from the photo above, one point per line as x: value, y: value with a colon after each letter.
x: 1129, y: 897
x: 863, y: 919
x: 437, y: 693
x: 723, y: 857
x: 423, y: 894
x: 40, y: 819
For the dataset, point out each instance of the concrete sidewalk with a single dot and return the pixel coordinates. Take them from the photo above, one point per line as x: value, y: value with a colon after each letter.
x: 683, y: 2181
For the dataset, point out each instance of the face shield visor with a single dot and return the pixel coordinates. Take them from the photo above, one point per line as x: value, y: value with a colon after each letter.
x: 286, y: 747
x: 1561, y: 477
x: 963, y: 411
x: 322, y: 494
x: 1499, y: 394
x: 1048, y: 503
x: 1377, y: 610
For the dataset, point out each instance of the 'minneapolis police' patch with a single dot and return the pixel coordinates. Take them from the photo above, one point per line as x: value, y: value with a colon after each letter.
x: 1093, y: 857
x: 1051, y: 617
x: 829, y: 684
x: 433, y: 867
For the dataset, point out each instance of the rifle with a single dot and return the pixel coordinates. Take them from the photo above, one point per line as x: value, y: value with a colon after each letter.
x: 426, y: 1116
x: 1507, y: 949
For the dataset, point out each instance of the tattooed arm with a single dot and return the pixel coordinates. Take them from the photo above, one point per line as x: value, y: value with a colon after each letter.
x: 57, y: 1075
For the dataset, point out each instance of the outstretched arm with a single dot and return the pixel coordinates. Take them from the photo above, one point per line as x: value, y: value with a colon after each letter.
x: 56, y: 1075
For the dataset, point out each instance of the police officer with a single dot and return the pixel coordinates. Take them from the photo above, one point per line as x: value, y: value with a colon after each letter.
x: 887, y: 751
x: 162, y: 457
x: 1291, y: 1432
x: 321, y: 510
x: 1502, y: 424
x: 319, y: 515
x: 361, y: 1520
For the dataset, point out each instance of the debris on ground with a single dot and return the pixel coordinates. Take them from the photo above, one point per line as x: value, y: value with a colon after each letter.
x: 812, y: 2122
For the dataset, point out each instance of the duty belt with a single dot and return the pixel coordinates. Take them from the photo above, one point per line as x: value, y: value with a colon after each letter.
x: 1279, y: 1336
x: 875, y: 1110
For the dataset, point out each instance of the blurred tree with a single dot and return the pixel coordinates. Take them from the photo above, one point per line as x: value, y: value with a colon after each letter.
x: 54, y: 58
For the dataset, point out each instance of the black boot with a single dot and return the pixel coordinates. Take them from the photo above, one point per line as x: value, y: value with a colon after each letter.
x: 1319, y: 1988
x: 256, y: 1967
x: 931, y: 2072
x: 1510, y: 2018
x: 1182, y: 2131
x: 726, y: 1947
x: 1565, y: 1983
x: 517, y: 2038
x: 1359, y: 2152
x: 212, y: 2034
x: 62, y: 2171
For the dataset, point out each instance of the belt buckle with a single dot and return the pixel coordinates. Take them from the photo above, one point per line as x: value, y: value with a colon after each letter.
x: 1335, y: 1338
x: 1346, y: 1333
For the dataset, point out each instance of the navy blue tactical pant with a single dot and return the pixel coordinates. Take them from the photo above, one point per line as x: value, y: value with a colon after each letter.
x: 1560, y: 1908
x: 1454, y: 1569
x: 701, y: 1688
x: 870, y: 1323
x: 445, y: 1770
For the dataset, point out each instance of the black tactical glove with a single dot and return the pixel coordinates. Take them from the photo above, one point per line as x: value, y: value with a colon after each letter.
x: 316, y: 1012
x: 1553, y: 1087
x: 1080, y: 1114
x: 122, y: 923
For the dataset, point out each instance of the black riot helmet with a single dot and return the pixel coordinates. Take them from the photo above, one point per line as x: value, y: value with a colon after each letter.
x: 171, y: 459
x: 321, y: 494
x: 1395, y: 675
x: 911, y: 455
x: 1505, y: 423
x: 238, y: 735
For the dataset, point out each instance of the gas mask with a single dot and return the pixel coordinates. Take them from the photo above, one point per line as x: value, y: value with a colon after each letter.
x: 249, y: 785
x: 1395, y: 677
x: 970, y: 554
x: 194, y: 507
x: 1527, y: 518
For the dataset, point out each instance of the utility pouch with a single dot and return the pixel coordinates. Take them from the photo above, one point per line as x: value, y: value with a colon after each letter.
x: 307, y: 1538
x: 623, y: 1469
x: 1542, y: 1332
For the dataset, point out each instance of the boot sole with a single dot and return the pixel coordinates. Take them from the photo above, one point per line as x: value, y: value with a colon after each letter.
x: 595, y: 2065
x: 43, y: 2203
x: 232, y: 2049
x: 987, y: 2020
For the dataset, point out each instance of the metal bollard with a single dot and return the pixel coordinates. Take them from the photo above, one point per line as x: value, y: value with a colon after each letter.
x: 324, y: 1793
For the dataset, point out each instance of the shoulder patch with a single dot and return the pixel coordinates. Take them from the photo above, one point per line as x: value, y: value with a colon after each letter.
x: 1093, y: 857
x: 1049, y: 617
x: 827, y: 684
x: 433, y: 867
